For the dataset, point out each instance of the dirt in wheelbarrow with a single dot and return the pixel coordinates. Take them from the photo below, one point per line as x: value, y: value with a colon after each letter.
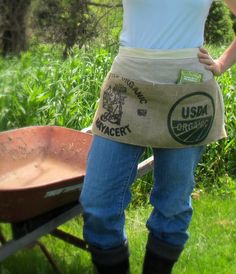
x: 39, y: 172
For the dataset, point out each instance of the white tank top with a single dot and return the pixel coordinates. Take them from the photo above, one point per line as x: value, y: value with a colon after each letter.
x: 164, y: 24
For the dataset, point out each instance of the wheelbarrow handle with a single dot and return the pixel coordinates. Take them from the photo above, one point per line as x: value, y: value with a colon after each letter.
x: 145, y: 167
x: 87, y: 129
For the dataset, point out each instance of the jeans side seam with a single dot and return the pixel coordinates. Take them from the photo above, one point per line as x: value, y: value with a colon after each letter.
x: 121, y: 209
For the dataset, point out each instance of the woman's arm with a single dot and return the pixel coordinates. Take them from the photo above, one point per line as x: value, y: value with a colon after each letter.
x: 227, y: 59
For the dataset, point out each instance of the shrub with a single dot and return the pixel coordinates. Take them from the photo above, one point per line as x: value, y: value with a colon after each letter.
x: 233, y: 17
x: 219, y: 25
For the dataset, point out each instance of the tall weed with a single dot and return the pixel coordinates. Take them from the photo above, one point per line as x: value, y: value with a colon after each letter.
x: 217, y: 170
x: 39, y: 88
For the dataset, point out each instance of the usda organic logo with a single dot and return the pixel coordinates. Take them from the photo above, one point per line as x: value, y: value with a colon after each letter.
x: 190, y: 118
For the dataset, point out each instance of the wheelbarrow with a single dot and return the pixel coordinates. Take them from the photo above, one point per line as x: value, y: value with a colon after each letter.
x: 41, y: 176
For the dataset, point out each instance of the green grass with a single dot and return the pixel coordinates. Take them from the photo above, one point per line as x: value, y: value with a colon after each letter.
x: 39, y: 88
x: 212, y: 244
x: 210, y: 249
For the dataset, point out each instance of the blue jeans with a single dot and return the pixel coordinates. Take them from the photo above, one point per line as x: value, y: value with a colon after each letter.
x: 111, y: 169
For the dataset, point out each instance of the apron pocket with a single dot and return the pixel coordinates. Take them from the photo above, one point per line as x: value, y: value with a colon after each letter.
x: 159, y: 115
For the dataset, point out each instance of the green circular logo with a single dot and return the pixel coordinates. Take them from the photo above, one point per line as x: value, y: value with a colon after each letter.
x: 190, y: 118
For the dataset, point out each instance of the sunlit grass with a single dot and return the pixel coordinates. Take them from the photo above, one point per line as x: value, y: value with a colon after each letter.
x: 210, y: 249
x: 39, y: 88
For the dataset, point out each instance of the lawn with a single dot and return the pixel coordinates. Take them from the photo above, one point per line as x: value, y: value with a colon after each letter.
x: 39, y: 88
x: 210, y: 249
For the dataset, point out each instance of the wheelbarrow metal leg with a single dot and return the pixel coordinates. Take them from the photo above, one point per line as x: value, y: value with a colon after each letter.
x: 15, y: 245
x: 49, y: 257
x: 2, y: 238
x: 70, y: 239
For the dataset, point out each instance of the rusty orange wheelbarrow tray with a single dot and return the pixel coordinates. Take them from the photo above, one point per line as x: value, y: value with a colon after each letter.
x: 41, y: 175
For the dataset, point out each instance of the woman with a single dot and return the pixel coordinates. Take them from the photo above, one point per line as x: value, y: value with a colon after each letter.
x: 160, y: 93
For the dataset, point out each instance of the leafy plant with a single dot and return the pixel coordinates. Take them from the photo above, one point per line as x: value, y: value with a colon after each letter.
x: 39, y: 88
x: 219, y: 25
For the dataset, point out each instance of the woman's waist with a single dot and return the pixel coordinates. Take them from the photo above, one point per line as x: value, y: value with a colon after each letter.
x: 160, y: 54
x: 157, y: 65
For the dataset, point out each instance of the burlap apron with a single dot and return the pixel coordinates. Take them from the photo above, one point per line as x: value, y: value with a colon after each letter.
x: 140, y: 103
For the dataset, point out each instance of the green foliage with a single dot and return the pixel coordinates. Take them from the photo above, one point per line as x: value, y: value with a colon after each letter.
x: 77, y: 22
x: 110, y: 24
x: 217, y: 170
x: 69, y: 22
x: 233, y: 17
x: 42, y: 89
x: 219, y: 25
x: 13, y: 27
x: 39, y: 88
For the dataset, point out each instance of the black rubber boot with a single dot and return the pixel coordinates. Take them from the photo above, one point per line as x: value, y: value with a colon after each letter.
x: 118, y: 268
x: 160, y: 256
x: 154, y: 264
x: 111, y: 261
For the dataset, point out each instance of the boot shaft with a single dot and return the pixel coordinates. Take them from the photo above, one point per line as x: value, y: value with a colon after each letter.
x: 111, y: 261
x: 154, y: 264
x: 118, y: 268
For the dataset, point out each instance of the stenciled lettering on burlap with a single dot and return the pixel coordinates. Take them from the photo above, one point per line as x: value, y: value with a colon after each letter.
x: 190, y: 118
x: 113, y: 100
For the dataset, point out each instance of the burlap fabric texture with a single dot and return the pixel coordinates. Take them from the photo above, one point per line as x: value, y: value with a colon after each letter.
x: 164, y: 115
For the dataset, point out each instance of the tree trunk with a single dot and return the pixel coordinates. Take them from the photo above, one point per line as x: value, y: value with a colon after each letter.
x: 77, y: 25
x: 13, y: 26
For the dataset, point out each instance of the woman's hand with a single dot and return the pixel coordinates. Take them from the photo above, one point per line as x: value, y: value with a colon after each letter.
x: 215, y: 66
x: 227, y: 59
